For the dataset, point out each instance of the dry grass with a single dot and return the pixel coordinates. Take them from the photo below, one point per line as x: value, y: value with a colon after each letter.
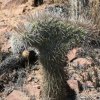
x: 95, y: 11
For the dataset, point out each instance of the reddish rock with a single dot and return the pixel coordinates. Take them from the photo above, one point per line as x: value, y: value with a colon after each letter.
x: 89, y: 84
x: 73, y: 53
x: 17, y: 95
x: 29, y: 79
x: 74, y: 84
x: 82, y: 62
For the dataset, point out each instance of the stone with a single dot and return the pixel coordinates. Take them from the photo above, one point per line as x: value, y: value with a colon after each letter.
x: 89, y: 84
x: 82, y: 62
x: 72, y: 54
x: 74, y: 84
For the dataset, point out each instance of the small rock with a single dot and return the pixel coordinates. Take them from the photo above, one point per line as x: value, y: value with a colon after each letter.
x: 89, y: 84
x: 82, y: 62
x: 73, y: 53
x: 30, y: 78
x: 75, y: 85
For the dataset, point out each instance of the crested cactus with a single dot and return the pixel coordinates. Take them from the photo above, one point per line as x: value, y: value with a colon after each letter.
x: 53, y: 38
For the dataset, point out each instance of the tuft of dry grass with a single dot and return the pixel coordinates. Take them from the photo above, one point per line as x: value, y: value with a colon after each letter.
x: 95, y: 12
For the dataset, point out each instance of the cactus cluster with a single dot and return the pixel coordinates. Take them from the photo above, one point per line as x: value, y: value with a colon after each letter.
x: 53, y: 38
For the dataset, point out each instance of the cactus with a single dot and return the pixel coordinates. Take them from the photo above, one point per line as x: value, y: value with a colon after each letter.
x: 53, y: 38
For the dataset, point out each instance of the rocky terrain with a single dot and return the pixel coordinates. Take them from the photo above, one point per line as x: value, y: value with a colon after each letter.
x: 25, y: 83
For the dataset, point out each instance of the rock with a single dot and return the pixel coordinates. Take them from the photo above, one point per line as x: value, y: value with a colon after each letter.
x: 17, y: 95
x: 72, y: 54
x: 29, y: 79
x: 89, y: 84
x: 75, y: 85
x: 82, y: 62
